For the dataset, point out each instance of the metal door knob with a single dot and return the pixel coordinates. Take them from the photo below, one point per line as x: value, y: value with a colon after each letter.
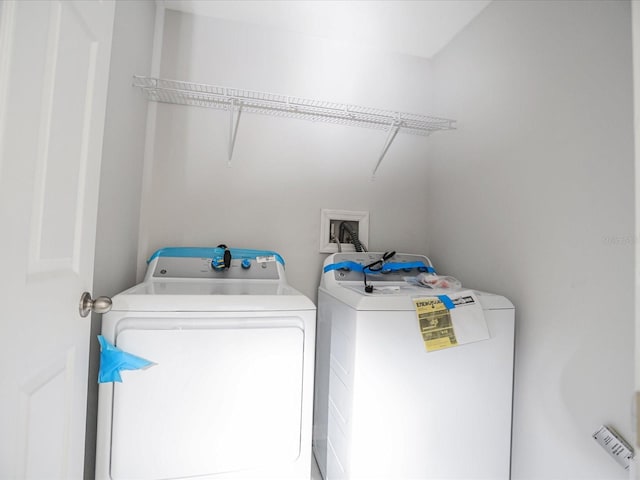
x: 99, y: 305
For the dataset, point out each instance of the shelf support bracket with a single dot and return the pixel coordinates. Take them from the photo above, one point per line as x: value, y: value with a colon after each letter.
x: 393, y: 131
x: 233, y: 128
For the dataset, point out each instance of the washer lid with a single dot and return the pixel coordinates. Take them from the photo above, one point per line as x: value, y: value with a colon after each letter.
x: 399, y: 297
x: 203, y: 296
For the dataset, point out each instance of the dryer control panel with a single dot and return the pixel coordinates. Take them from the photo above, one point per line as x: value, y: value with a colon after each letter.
x: 215, y: 263
x: 240, y: 269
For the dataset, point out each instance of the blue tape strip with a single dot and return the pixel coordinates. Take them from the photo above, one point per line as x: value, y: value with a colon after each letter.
x: 389, y: 267
x: 401, y: 266
x: 113, y: 361
x: 209, y: 252
x: 356, y: 267
x: 449, y: 305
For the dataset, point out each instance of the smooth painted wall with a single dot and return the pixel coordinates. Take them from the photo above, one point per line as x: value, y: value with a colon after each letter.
x: 284, y: 171
x: 533, y: 198
x: 635, y: 14
x: 120, y: 179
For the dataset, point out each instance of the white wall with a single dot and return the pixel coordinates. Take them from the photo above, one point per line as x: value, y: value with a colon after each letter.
x: 284, y: 170
x: 635, y: 9
x: 120, y: 178
x: 533, y: 198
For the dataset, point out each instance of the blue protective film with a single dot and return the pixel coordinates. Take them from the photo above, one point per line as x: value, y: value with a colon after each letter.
x: 391, y: 267
x: 113, y: 360
x: 210, y: 252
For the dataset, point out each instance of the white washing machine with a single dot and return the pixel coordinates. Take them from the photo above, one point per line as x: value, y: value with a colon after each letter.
x: 230, y: 391
x: 385, y: 407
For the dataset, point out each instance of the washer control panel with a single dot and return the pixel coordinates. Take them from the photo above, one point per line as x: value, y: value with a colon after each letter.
x: 262, y: 268
x: 347, y: 274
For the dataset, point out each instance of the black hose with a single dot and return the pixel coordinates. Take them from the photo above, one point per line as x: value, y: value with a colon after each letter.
x: 344, y: 226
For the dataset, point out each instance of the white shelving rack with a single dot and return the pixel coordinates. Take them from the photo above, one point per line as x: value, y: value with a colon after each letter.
x: 237, y: 100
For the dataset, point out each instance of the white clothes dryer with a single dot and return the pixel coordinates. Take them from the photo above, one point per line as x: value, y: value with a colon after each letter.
x: 230, y: 391
x: 385, y: 406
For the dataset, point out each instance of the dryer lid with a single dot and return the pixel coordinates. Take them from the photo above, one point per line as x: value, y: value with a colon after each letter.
x: 206, y: 296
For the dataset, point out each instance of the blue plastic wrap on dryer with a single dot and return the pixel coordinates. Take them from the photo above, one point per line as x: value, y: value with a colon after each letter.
x: 213, y: 252
x: 113, y: 360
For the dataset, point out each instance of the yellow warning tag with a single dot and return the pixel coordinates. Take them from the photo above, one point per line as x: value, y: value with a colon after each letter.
x: 435, y: 324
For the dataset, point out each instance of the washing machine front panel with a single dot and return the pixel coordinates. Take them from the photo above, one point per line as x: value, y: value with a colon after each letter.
x: 223, y: 398
x: 444, y: 414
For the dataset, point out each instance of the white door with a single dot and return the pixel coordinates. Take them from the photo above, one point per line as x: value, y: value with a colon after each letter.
x: 635, y: 9
x: 54, y: 62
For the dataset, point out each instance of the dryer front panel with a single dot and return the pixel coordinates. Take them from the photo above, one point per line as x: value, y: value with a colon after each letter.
x: 224, y: 396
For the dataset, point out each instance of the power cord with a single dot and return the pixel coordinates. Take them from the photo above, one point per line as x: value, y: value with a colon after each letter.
x: 376, y: 267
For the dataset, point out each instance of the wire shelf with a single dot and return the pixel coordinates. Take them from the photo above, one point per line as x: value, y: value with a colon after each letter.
x: 211, y: 96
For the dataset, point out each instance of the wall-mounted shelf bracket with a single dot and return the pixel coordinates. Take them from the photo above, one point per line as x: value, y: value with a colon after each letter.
x: 233, y: 127
x: 393, y: 131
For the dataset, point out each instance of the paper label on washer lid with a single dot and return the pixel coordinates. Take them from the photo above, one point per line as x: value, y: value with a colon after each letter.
x: 435, y: 324
x: 451, y: 320
x: 265, y: 259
